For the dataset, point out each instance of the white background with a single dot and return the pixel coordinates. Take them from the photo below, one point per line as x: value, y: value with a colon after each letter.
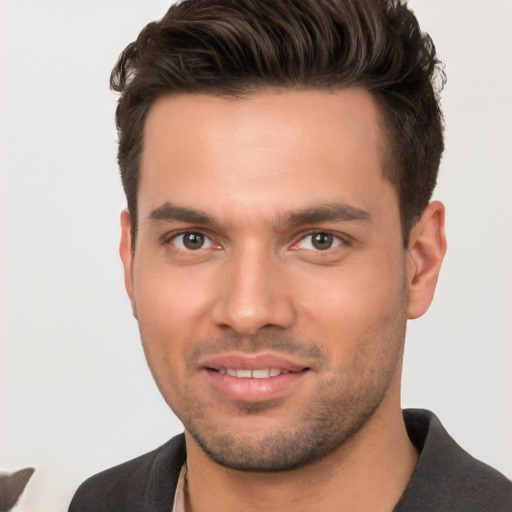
x: 76, y: 396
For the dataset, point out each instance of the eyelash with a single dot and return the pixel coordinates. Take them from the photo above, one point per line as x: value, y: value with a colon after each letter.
x: 338, y: 240
x: 172, y: 238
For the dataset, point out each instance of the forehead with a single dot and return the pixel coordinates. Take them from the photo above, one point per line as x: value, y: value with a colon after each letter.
x: 263, y: 150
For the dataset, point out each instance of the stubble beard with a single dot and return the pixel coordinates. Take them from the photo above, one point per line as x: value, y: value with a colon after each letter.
x: 343, y: 403
x: 328, y: 426
x: 344, y: 400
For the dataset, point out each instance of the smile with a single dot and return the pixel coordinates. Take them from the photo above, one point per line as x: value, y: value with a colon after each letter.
x: 256, y: 378
x: 255, y: 385
x: 263, y: 373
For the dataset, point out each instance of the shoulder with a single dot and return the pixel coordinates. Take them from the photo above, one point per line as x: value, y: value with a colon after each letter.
x: 446, y: 476
x: 146, y: 483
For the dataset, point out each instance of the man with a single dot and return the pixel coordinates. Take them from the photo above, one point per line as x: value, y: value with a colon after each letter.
x: 278, y: 160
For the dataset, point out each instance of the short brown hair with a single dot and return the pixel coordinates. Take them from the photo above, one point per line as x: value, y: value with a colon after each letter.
x: 238, y: 47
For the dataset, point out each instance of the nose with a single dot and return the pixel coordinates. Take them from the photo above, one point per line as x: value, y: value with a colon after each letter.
x: 253, y: 295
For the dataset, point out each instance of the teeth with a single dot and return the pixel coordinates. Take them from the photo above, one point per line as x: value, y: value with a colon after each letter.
x: 263, y: 373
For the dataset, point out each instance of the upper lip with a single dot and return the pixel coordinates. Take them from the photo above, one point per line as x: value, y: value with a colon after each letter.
x: 245, y: 361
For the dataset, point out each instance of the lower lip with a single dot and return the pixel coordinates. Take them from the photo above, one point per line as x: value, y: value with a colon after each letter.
x: 254, y: 390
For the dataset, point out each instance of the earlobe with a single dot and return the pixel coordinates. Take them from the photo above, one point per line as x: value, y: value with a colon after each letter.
x: 426, y: 251
x: 126, y: 253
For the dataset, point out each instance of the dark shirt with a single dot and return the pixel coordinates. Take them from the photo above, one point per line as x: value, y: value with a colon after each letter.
x: 446, y: 478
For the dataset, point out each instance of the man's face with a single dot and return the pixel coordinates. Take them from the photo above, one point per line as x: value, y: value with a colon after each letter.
x: 269, y: 277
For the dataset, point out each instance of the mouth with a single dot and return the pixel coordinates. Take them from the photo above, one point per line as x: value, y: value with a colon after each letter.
x: 262, y: 373
x: 254, y: 378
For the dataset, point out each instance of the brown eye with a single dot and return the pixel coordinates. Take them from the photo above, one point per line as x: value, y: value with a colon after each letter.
x: 191, y: 241
x: 322, y: 241
x: 319, y: 241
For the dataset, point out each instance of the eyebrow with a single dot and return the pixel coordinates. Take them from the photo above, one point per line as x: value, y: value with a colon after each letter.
x: 335, y: 212
x: 169, y: 212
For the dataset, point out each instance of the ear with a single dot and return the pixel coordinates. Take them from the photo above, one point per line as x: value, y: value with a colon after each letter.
x: 427, y: 247
x: 126, y: 253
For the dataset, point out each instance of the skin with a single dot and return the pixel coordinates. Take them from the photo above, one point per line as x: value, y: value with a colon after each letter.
x: 254, y: 171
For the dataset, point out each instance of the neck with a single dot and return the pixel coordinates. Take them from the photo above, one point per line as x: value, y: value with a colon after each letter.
x: 369, y: 472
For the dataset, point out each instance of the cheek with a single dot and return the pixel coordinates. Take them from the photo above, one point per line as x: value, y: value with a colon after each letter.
x: 169, y: 298
x: 162, y: 325
x: 171, y: 308
x: 352, y: 308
